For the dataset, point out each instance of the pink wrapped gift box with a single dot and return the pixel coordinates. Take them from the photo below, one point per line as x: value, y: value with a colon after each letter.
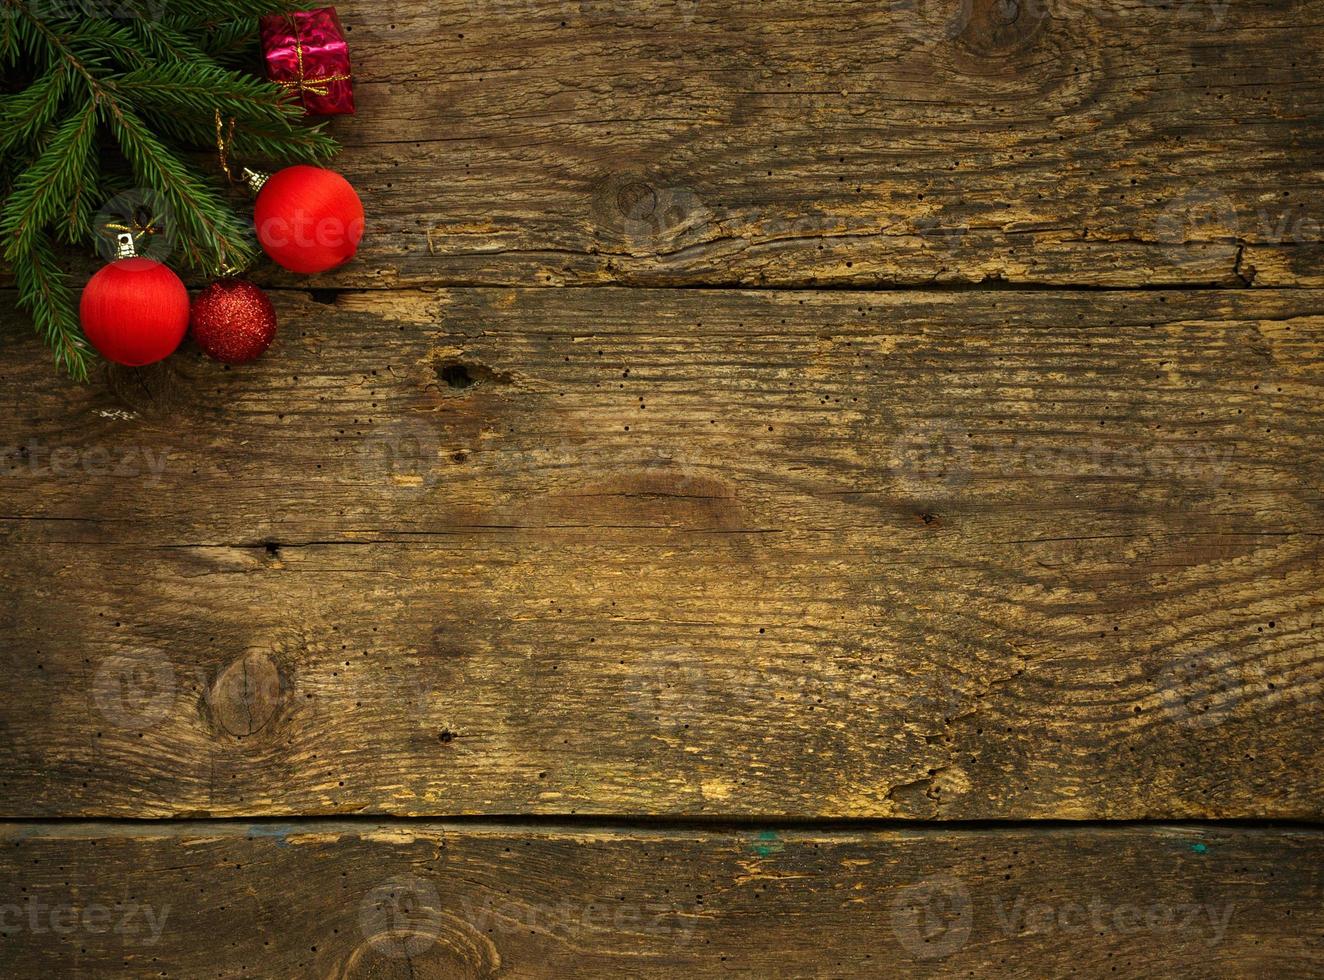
x: 307, y: 54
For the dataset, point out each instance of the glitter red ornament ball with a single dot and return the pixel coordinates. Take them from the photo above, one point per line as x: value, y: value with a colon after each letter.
x: 233, y: 321
x: 308, y: 219
x: 135, y: 311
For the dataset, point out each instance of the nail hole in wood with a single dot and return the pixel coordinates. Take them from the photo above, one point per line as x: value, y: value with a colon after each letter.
x: 460, y: 376
x: 456, y: 376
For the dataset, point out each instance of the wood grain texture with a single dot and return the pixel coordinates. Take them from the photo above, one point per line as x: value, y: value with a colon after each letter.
x: 837, y: 142
x: 464, y: 545
x: 993, y: 554
x: 433, y: 901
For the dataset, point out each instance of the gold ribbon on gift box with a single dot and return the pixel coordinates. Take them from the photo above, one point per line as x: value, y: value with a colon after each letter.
x: 320, y: 87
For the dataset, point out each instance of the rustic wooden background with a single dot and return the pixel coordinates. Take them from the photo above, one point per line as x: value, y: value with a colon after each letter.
x: 787, y: 489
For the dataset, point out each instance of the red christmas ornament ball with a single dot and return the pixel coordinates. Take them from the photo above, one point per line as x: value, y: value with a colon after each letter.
x: 309, y: 219
x: 134, y: 311
x: 233, y: 321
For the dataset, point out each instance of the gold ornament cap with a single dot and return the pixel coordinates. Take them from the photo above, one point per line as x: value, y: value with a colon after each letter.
x: 255, y: 180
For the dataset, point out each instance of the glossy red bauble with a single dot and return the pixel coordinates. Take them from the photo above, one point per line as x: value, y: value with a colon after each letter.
x: 309, y: 219
x: 233, y: 321
x: 135, y: 312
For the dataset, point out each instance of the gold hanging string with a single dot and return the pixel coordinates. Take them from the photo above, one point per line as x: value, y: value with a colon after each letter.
x: 137, y: 229
x: 250, y: 178
x: 321, y: 86
x: 127, y: 233
x: 224, y: 137
x: 224, y: 143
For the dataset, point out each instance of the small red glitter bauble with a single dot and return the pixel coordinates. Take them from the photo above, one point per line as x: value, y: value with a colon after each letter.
x: 233, y: 321
x: 135, y: 312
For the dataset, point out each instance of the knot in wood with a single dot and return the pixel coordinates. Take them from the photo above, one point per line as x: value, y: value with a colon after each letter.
x: 998, y: 28
x: 246, y: 695
x: 636, y: 200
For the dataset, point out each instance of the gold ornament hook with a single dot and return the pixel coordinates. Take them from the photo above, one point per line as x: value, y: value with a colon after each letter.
x: 127, y: 235
x: 250, y: 178
x: 254, y: 179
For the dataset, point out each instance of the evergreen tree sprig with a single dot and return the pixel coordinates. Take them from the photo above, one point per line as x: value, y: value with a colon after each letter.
x: 89, y: 100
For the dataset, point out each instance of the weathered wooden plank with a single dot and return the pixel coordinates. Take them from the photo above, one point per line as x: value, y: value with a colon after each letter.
x: 989, y: 554
x: 838, y: 142
x: 835, y: 143
x: 426, y: 900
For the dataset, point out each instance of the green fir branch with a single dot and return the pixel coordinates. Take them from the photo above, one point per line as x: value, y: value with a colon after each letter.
x: 23, y: 114
x: 89, y: 193
x: 163, y: 43
x: 9, y: 48
x: 200, y: 13
x: 205, y: 225
x: 42, y: 193
x: 44, y: 292
x: 186, y: 97
x: 229, y: 43
x: 76, y: 83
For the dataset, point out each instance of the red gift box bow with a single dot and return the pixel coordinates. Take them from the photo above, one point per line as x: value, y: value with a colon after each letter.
x: 319, y: 86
